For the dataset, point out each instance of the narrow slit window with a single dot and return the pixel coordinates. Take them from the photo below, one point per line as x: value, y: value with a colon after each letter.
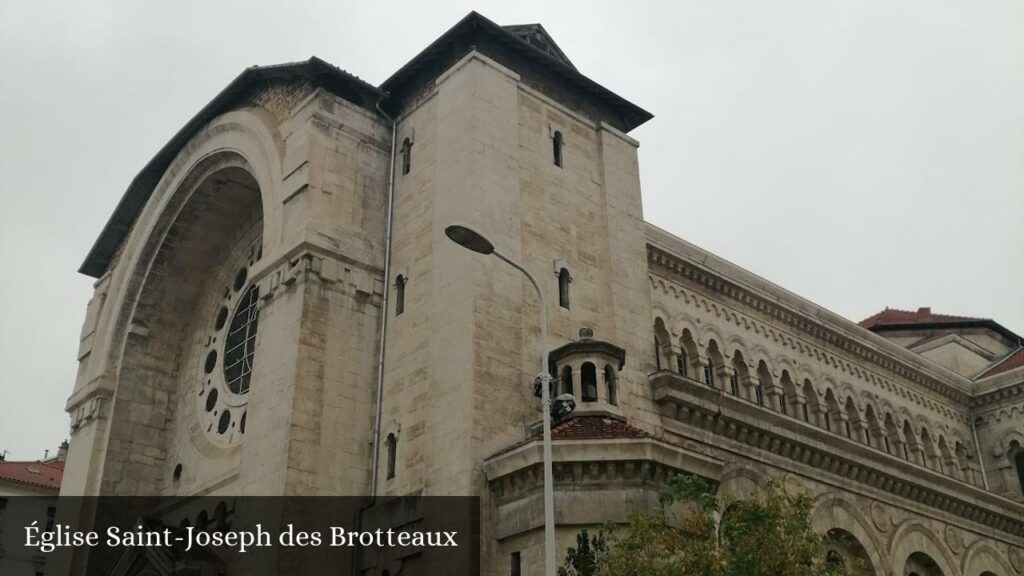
x: 556, y: 148
x: 516, y: 567
x: 392, y: 443
x: 406, y: 155
x: 588, y: 381
x: 399, y: 295
x: 759, y: 395
x: 563, y: 287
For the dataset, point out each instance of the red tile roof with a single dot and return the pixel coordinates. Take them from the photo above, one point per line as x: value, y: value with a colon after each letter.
x: 595, y: 428
x: 44, y: 474
x: 586, y: 428
x: 1014, y: 360
x: 922, y: 316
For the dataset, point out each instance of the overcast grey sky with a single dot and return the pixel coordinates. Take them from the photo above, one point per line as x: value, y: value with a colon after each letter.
x: 860, y: 154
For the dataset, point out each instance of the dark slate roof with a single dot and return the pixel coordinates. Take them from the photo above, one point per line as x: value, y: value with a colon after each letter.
x: 546, y: 69
x: 315, y: 70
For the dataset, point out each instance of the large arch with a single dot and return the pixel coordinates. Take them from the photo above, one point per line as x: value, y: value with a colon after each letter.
x: 183, y: 336
x: 914, y: 537
x: 238, y: 153
x: 835, y: 513
x: 983, y: 558
x: 250, y: 140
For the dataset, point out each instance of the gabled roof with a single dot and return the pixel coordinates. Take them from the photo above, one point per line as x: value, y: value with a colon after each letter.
x: 535, y: 35
x: 511, y: 46
x: 924, y: 319
x: 1011, y: 361
x: 135, y: 197
x: 41, y: 474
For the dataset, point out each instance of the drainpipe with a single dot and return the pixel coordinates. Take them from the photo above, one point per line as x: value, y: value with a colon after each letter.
x: 384, y: 301
x: 977, y: 448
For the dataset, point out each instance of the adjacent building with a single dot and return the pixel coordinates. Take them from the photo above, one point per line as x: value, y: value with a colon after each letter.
x: 28, y: 492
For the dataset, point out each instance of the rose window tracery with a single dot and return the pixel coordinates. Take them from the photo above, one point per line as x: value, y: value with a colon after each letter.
x: 229, y: 353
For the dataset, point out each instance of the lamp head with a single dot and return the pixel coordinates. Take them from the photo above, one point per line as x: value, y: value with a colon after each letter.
x: 468, y: 238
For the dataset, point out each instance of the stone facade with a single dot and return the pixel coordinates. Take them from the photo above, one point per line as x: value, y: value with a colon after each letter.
x: 283, y: 182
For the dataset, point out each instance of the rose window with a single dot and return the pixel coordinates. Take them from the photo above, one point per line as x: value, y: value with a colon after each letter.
x: 228, y: 355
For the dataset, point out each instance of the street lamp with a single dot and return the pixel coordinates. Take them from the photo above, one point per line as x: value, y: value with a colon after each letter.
x: 471, y: 239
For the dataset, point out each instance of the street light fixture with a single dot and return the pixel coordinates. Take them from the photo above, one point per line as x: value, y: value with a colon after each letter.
x: 472, y: 240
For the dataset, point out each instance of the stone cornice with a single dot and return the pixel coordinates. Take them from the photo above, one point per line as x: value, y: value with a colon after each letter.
x: 674, y: 267
x: 694, y: 405
x: 518, y: 472
x: 999, y: 388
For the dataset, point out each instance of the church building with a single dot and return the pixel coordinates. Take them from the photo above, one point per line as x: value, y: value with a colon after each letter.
x: 278, y: 311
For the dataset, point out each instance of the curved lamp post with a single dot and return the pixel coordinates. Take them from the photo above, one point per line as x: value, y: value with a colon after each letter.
x: 472, y: 240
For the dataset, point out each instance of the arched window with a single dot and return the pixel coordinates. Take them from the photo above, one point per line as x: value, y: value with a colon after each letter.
x: 764, y: 380
x: 681, y: 362
x: 563, y: 287
x: 715, y: 366
x: 556, y: 148
x: 609, y: 381
x: 588, y: 381
x: 392, y: 444
x: 406, y: 155
x: 811, y: 403
x: 567, y: 380
x: 399, y: 295
x: 740, y: 380
x: 657, y: 353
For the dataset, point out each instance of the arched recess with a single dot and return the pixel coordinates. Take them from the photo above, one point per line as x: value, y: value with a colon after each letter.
x: 982, y: 558
x: 741, y: 482
x: 193, y: 329
x: 843, y: 548
x: 246, y: 138
x: 834, y: 513
x: 914, y: 538
x: 741, y: 377
x: 788, y: 400
x: 689, y: 356
x: 813, y: 404
x: 714, y: 372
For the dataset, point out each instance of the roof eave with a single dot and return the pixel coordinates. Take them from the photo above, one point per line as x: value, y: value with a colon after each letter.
x: 136, y: 195
x: 632, y: 115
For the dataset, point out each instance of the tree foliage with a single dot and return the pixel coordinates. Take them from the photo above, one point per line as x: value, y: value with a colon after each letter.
x: 692, y: 533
